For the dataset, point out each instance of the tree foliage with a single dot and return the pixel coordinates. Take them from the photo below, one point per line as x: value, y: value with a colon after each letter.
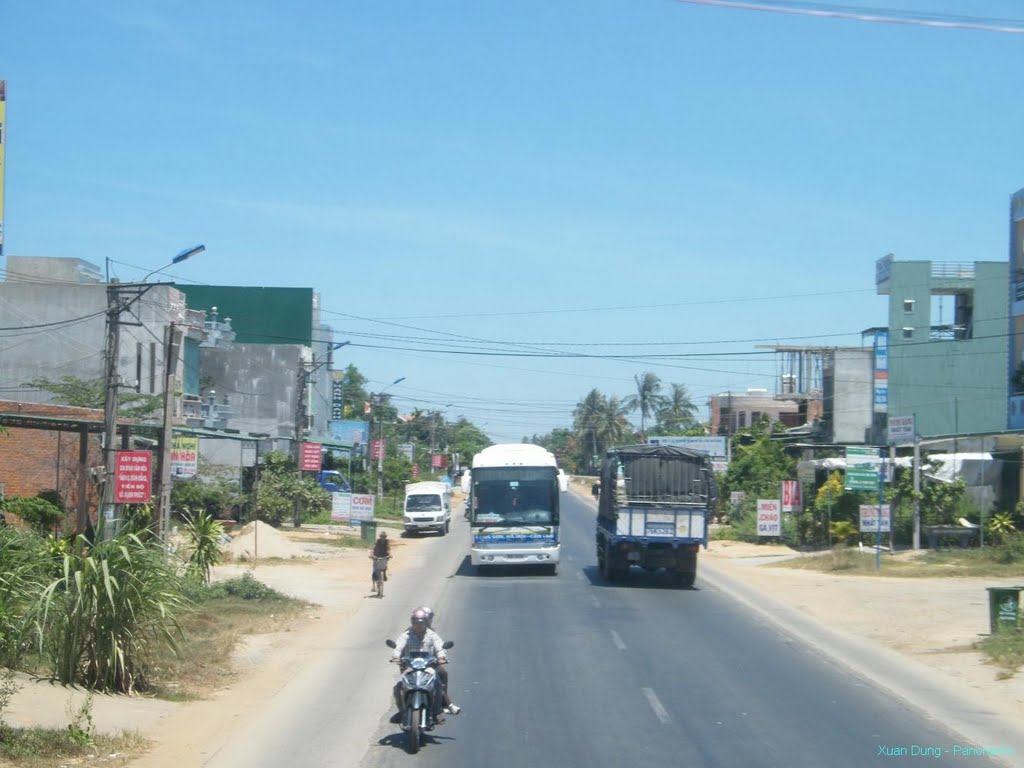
x: 42, y: 515
x: 91, y: 393
x: 279, y: 487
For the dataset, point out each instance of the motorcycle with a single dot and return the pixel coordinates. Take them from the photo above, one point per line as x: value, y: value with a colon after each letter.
x: 421, y: 696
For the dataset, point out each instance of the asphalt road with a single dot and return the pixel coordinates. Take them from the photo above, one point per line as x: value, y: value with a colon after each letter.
x: 567, y: 671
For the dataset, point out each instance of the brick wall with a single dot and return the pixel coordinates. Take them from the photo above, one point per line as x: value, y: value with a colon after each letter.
x: 34, y: 460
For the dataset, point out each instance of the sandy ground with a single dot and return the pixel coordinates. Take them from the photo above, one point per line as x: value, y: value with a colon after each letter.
x: 934, y: 621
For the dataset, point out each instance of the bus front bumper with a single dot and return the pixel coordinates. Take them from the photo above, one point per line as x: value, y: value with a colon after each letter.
x: 513, y: 556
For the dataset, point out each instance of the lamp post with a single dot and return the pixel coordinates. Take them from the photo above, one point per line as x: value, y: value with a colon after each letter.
x: 116, y: 306
x: 380, y: 439
x: 301, y: 418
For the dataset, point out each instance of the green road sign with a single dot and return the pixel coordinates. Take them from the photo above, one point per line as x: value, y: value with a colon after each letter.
x: 862, y: 468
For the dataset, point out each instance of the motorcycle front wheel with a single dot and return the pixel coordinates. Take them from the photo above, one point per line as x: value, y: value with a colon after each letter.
x: 414, y: 732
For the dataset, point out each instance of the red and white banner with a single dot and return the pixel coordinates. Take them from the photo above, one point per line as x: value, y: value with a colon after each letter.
x: 376, y: 449
x: 133, y: 477
x: 792, y: 501
x: 312, y: 457
x: 769, y: 517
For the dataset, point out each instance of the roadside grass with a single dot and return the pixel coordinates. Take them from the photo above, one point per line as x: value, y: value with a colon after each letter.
x: 47, y: 747
x: 1005, y: 650
x: 222, y: 612
x: 987, y: 562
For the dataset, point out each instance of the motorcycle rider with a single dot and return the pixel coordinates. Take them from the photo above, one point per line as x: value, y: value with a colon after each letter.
x: 449, y: 707
x: 419, y: 637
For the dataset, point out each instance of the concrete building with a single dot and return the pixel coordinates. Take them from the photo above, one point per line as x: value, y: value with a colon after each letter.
x: 57, y: 328
x: 943, y: 358
x: 1015, y: 367
x: 733, y: 411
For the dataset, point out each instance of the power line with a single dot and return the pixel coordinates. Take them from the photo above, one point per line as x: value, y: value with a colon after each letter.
x: 872, y: 15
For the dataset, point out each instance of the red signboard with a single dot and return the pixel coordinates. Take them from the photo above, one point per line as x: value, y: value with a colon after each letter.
x: 439, y: 460
x: 376, y: 446
x: 132, y: 477
x: 312, y: 457
x: 415, y: 470
x: 791, y: 499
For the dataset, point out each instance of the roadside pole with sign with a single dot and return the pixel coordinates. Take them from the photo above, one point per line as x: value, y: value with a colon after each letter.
x: 865, y: 472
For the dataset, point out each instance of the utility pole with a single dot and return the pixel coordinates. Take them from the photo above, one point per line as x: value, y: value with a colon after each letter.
x: 107, y: 523
x: 302, y: 419
x: 300, y: 435
x: 174, y: 335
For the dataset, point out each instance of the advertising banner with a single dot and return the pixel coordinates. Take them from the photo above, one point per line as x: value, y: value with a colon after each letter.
x: 350, y: 431
x: 312, y: 457
x: 439, y: 461
x: 337, y: 395
x: 792, y: 501
x: 184, y: 457
x: 901, y: 430
x: 406, y: 449
x: 362, y: 506
x: 769, y: 517
x: 376, y: 449
x: 881, y: 346
x: 862, y: 468
x: 869, y: 519
x: 133, y: 477
x: 341, y: 507
x: 3, y: 139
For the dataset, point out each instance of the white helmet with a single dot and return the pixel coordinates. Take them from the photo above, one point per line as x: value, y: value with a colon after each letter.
x: 429, y: 613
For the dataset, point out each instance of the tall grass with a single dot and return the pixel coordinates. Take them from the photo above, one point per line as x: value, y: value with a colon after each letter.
x: 23, y: 574
x: 110, y: 603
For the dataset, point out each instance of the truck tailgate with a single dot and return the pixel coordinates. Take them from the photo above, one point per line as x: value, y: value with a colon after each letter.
x: 659, y: 522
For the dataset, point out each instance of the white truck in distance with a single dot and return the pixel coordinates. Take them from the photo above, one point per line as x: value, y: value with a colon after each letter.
x: 428, y: 507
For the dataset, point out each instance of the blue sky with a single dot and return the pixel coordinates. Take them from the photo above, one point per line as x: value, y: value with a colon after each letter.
x: 612, y: 177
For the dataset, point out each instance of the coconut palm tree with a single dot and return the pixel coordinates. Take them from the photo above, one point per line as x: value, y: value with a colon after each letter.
x: 679, y: 410
x: 613, y: 426
x: 648, y: 399
x: 585, y: 418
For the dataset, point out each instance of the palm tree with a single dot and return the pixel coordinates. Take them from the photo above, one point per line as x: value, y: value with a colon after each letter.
x: 585, y: 418
x: 613, y: 427
x: 678, y: 410
x: 648, y: 399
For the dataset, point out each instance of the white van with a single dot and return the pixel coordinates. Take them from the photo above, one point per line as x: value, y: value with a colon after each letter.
x: 428, y: 507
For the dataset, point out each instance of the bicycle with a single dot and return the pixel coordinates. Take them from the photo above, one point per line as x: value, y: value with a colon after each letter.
x: 380, y: 564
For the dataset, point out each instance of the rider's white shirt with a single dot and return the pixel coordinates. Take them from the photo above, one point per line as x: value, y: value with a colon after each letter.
x: 431, y: 642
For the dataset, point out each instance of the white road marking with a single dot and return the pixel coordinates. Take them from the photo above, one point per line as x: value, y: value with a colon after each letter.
x: 652, y: 698
x: 618, y: 641
x: 595, y: 601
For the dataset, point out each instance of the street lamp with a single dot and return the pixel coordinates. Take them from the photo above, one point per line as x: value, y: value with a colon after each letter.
x: 188, y: 253
x: 380, y: 439
x: 112, y: 352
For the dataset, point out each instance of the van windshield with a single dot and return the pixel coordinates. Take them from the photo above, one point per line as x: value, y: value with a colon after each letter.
x: 423, y: 503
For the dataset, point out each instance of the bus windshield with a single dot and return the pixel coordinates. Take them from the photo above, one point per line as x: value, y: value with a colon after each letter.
x: 515, y: 496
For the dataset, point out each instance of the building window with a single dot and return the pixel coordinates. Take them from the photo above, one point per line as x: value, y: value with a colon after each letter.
x: 908, y: 333
x: 908, y: 306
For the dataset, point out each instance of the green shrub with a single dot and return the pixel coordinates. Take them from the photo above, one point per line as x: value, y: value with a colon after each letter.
x: 204, y: 537
x: 39, y: 513
x: 245, y: 587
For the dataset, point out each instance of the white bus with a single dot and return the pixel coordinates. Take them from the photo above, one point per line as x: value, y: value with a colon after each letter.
x: 513, y: 506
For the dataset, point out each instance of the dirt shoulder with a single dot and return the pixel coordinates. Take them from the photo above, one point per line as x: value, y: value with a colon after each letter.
x: 935, y: 621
